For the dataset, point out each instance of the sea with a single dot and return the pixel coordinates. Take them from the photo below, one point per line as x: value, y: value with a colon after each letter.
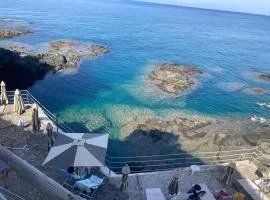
x: 104, y: 93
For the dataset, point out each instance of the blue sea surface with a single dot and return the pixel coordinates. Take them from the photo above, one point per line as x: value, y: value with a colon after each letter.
x: 226, y: 46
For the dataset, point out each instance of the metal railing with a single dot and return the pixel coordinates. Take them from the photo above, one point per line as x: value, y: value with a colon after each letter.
x: 28, y: 98
x: 139, y: 164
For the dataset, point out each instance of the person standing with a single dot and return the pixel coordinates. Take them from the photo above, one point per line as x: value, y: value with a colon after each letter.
x: 51, y: 139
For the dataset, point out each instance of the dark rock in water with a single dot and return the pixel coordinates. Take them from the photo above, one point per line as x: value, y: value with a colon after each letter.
x: 256, y: 91
x: 176, y: 125
x: 174, y: 78
x: 20, y: 67
x: 10, y: 33
x: 264, y: 77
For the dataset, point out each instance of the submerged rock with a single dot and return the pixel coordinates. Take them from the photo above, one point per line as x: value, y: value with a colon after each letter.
x: 256, y: 91
x: 263, y: 76
x: 174, y: 78
x: 10, y: 33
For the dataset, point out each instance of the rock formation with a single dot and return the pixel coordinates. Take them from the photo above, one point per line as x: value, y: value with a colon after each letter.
x: 174, y: 78
x: 62, y: 54
x: 10, y: 33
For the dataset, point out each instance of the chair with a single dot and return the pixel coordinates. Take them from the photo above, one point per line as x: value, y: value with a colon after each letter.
x: 194, y: 168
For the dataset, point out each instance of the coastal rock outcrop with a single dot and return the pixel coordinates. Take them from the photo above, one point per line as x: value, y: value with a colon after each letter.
x: 10, y: 33
x: 174, y: 78
x: 62, y: 54
x: 68, y: 54
x: 30, y: 63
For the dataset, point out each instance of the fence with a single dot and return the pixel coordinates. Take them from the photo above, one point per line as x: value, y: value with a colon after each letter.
x: 151, y: 163
x: 28, y: 98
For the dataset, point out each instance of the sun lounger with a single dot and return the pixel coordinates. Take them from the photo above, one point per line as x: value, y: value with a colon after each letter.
x: 154, y: 194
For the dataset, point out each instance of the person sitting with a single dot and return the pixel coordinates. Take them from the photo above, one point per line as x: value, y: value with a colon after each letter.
x: 70, y: 170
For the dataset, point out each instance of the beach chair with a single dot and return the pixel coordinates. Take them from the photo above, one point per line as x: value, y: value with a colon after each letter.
x: 89, y: 187
x: 154, y: 194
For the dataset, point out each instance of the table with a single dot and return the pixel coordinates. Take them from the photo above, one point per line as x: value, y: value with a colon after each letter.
x: 87, y: 184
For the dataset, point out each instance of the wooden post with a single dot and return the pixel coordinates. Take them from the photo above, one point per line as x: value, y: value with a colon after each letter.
x: 33, y: 176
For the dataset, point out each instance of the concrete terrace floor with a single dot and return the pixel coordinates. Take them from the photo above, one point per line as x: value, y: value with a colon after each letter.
x: 208, y: 175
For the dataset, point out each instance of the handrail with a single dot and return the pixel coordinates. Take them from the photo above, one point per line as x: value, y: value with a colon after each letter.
x: 193, y: 153
x: 28, y: 98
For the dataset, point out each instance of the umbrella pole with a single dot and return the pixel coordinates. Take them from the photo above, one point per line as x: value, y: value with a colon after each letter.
x: 35, y: 177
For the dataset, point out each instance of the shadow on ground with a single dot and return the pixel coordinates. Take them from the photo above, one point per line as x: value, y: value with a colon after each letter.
x: 149, y: 151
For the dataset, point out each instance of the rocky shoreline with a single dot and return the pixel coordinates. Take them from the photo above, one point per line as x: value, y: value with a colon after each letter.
x: 62, y: 54
x: 174, y: 78
x: 27, y: 63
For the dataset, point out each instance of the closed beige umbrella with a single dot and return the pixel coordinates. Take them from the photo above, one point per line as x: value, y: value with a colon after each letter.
x: 227, y: 178
x: 173, y: 187
x: 125, y: 172
x: 35, y: 119
x: 4, y: 97
x: 18, y: 102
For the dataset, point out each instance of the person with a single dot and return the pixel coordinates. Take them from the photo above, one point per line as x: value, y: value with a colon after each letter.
x: 222, y: 194
x: 196, y: 193
x: 238, y: 196
x: 70, y: 170
x: 50, y: 134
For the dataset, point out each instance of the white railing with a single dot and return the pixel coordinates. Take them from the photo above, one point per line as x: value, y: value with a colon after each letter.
x: 151, y: 163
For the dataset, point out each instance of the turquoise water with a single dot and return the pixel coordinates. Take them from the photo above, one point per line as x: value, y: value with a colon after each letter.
x: 225, y: 46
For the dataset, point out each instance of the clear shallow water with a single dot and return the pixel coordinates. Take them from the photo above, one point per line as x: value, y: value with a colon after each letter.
x: 222, y: 44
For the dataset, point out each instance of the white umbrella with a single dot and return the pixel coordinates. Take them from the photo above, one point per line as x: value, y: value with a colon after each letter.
x: 78, y: 150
